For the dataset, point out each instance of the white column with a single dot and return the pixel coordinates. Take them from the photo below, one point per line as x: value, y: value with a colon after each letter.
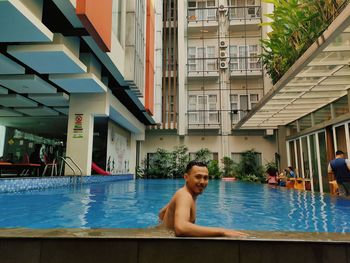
x: 82, y: 109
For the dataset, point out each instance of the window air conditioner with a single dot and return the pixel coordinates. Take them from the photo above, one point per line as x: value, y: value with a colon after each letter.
x: 223, y: 54
x: 223, y: 64
x: 223, y: 43
x: 222, y: 8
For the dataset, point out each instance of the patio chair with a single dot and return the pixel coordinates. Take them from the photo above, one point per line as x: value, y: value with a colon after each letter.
x: 50, y: 165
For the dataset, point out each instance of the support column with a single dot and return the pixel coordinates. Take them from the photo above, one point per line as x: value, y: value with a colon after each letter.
x: 182, y: 53
x: 282, y: 146
x: 82, y: 109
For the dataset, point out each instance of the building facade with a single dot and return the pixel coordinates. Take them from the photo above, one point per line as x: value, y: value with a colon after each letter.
x: 211, y: 78
x: 79, y: 73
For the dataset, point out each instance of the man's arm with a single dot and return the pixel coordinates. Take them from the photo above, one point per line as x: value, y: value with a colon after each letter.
x: 183, y: 226
x: 162, y: 212
x: 330, y: 170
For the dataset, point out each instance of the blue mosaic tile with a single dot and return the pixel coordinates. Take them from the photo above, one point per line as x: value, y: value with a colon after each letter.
x: 8, y: 185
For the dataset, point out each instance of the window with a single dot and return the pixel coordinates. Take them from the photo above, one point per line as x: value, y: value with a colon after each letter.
x: 237, y: 157
x: 117, y: 20
x: 202, y: 59
x: 192, y: 59
x: 211, y: 61
x: 254, y: 98
x: 201, y: 10
x: 241, y: 104
x: 233, y: 58
x: 202, y: 109
x: 244, y: 57
x: 254, y: 57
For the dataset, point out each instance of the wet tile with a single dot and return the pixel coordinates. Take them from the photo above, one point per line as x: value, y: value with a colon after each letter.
x: 188, y: 251
x: 19, y: 250
x: 88, y: 251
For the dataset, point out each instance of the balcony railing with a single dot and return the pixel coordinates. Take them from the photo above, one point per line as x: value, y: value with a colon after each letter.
x: 245, y: 63
x: 202, y: 65
x: 204, y: 117
x: 202, y: 14
x: 245, y: 13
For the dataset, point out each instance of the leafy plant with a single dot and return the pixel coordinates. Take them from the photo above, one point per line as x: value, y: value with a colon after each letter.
x: 203, y: 155
x: 229, y: 167
x: 214, y: 170
x: 296, y: 24
x: 179, y: 160
x: 159, y: 166
x: 248, y: 168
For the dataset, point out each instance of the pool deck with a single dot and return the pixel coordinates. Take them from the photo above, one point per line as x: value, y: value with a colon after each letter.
x: 159, y: 245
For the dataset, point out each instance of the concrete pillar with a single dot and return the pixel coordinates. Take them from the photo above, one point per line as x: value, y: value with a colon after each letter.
x: 82, y: 109
x: 282, y: 148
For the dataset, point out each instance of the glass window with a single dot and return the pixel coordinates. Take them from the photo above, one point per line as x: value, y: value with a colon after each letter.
x: 314, y: 163
x: 323, y: 159
x: 305, y: 122
x: 192, y: 4
x: 341, y: 106
x: 233, y: 57
x: 323, y: 114
x: 254, y: 98
x: 242, y: 50
x: 117, y: 20
x: 305, y: 153
x: 237, y: 157
x: 341, y: 139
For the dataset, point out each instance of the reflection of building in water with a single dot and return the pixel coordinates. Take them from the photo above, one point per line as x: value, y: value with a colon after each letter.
x: 76, y: 209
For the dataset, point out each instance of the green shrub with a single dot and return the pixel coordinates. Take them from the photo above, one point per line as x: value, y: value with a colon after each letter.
x: 228, y: 167
x: 214, y: 170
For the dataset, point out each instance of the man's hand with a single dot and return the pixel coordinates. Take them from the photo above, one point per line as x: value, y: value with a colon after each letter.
x: 233, y: 233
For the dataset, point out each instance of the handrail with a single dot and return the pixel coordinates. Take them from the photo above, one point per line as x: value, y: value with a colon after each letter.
x: 75, y: 164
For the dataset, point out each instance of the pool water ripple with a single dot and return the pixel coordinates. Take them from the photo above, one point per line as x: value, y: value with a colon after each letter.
x: 135, y: 204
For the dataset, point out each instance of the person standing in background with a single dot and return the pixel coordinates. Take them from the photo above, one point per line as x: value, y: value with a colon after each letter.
x: 340, y: 166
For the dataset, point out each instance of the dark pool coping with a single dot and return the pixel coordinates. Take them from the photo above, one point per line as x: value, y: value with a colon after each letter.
x: 151, y: 233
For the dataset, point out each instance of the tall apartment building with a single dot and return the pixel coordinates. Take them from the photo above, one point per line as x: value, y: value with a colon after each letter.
x: 211, y: 77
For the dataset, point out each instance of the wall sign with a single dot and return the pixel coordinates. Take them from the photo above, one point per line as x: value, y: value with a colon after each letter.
x: 78, y: 126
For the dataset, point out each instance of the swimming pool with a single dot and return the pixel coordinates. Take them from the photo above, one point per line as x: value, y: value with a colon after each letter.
x: 135, y: 204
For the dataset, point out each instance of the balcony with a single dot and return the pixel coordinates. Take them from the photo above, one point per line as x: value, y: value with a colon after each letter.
x: 203, y: 68
x: 244, y: 18
x: 245, y: 66
x: 203, y: 119
x: 200, y: 18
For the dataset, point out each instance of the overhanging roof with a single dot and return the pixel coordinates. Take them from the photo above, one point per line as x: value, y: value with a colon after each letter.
x: 321, y: 75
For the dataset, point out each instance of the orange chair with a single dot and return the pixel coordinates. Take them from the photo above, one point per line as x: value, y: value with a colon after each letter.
x: 299, y: 184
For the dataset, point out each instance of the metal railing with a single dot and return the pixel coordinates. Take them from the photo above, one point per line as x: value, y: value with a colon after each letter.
x: 64, y: 161
x: 202, y: 14
x: 244, y: 13
x: 203, y: 117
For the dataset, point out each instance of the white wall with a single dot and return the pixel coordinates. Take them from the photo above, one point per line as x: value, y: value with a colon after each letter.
x: 234, y: 144
x: 118, y: 149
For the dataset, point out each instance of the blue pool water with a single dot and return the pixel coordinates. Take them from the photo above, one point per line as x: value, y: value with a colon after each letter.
x: 135, y: 204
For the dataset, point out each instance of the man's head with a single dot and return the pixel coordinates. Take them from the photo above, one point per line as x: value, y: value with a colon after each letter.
x: 339, y: 153
x: 196, y: 177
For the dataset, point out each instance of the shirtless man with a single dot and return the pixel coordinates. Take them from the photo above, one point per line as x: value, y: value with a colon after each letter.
x: 180, y: 213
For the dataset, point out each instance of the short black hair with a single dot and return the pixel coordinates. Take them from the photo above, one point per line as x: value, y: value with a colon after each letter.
x: 195, y: 163
x: 291, y: 168
x: 339, y: 152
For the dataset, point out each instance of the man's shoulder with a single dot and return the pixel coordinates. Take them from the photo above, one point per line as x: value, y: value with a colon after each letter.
x: 182, y: 193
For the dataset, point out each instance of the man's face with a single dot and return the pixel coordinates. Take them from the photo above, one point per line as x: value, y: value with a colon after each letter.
x: 197, y: 179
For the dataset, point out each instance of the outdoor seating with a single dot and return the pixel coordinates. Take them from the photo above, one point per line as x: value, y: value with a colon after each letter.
x: 50, y: 165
